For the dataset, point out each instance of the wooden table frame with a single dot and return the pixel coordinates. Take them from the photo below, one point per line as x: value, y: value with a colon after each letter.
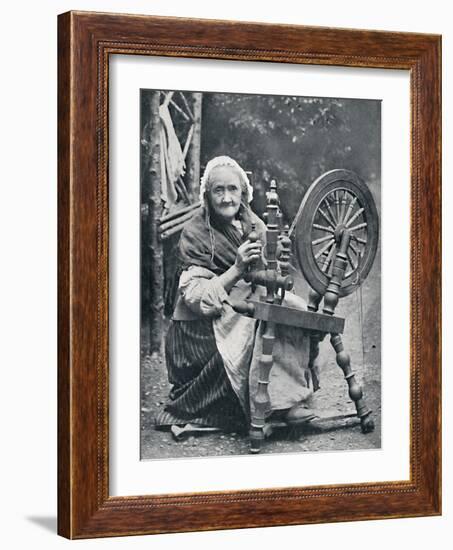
x: 85, y: 42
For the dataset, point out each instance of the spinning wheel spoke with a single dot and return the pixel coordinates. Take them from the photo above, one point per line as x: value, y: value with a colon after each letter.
x: 337, y: 204
x: 324, y: 215
x: 359, y: 226
x: 351, y: 206
x: 351, y: 261
x: 324, y: 249
x: 358, y: 253
x: 321, y: 240
x: 354, y: 217
x: 326, y: 202
x: 323, y: 228
x: 329, y: 271
x: 343, y: 206
x: 328, y: 258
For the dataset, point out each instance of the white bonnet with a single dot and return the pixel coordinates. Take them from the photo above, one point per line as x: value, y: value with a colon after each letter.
x: 224, y: 161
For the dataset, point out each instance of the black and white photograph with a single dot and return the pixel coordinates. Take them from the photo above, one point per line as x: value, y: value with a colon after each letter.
x: 260, y: 274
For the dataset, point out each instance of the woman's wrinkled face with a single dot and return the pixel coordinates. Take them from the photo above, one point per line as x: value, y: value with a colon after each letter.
x: 225, y: 191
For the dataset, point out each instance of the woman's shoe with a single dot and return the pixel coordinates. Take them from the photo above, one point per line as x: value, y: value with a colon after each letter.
x: 299, y: 414
x: 181, y: 432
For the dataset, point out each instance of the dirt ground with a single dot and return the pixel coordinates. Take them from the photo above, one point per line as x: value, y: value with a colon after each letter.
x: 362, y: 341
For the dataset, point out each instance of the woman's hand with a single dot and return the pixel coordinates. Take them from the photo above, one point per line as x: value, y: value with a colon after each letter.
x: 247, y: 253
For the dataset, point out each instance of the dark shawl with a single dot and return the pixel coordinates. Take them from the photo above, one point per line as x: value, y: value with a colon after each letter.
x: 195, y: 246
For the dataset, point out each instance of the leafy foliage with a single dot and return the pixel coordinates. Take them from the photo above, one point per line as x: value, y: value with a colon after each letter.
x: 292, y: 139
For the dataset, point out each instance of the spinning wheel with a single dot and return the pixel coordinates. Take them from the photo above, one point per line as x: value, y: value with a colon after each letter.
x: 336, y: 237
x: 335, y: 202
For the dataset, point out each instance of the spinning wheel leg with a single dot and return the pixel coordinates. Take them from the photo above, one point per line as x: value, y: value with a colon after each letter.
x: 262, y: 401
x: 355, y: 390
x: 314, y: 299
x: 313, y: 360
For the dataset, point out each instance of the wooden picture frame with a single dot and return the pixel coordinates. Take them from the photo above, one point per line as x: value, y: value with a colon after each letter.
x: 85, y: 41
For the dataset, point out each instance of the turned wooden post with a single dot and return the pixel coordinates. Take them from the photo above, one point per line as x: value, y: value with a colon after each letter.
x: 355, y: 390
x: 271, y: 242
x: 332, y: 294
x: 313, y: 359
x: 314, y: 299
x: 285, y: 255
x: 331, y: 298
x: 253, y: 238
x: 262, y: 400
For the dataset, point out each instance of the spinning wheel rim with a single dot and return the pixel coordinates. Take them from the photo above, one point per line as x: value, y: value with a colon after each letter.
x: 362, y: 220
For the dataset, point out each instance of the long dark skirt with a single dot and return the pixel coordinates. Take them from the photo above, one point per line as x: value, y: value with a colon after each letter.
x: 201, y: 393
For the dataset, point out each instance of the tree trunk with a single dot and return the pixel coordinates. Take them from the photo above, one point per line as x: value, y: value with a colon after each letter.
x: 153, y: 247
x: 193, y: 155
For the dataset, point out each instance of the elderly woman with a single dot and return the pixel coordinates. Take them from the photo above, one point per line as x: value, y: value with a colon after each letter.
x: 212, y: 352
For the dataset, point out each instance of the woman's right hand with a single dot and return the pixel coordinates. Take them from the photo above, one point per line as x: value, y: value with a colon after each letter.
x: 247, y: 253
